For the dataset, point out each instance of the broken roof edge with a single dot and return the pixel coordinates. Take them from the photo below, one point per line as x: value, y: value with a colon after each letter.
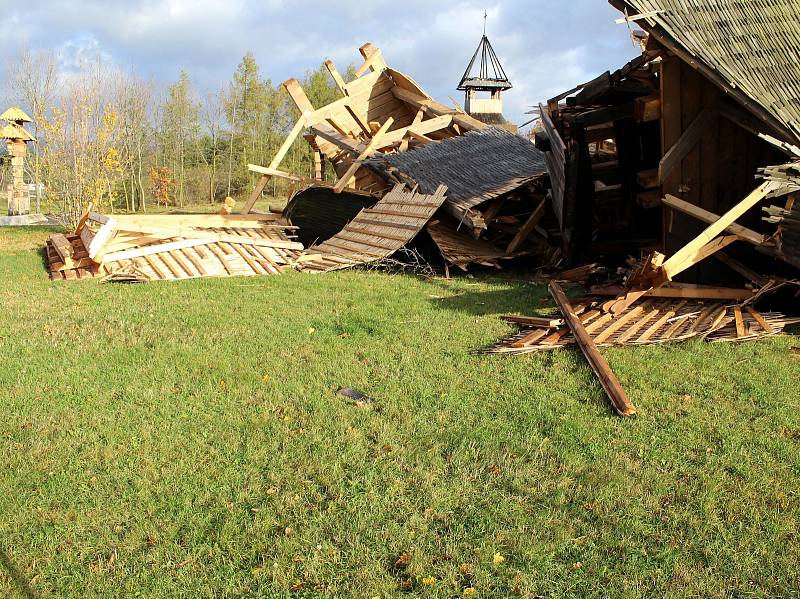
x: 660, y: 34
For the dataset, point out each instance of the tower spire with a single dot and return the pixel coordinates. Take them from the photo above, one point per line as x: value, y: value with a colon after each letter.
x: 484, y: 74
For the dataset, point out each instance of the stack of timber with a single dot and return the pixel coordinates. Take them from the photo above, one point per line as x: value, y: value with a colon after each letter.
x: 377, y: 232
x: 171, y: 247
x: 385, y: 130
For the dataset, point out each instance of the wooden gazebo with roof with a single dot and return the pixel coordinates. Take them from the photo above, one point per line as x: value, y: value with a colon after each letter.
x: 16, y: 137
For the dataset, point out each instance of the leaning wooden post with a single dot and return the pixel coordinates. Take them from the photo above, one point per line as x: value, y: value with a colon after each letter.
x: 611, y: 385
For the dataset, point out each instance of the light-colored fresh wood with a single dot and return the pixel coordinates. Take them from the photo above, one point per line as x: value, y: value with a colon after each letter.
x: 276, y: 161
x: 272, y: 172
x: 741, y: 331
x: 373, y: 145
x: 683, y: 257
x: 298, y: 96
x: 337, y: 78
x: 761, y: 320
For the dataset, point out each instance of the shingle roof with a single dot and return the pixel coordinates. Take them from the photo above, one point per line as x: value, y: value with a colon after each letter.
x: 476, y: 166
x: 753, y: 45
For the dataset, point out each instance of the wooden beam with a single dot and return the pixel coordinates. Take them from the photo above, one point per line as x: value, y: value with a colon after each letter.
x: 103, y: 236
x: 63, y: 248
x: 368, y: 151
x: 211, y: 236
x: 337, y: 78
x: 761, y: 321
x: 611, y: 385
x: 364, y: 126
x: 419, y: 137
x: 276, y: 161
x: 126, y: 221
x: 688, y: 140
x: 298, y: 96
x: 528, y: 227
x: 647, y: 108
x: 82, y: 220
x: 684, y: 290
x: 746, y: 272
x: 347, y: 144
x: 677, y: 263
x: 373, y: 59
x: 704, y: 252
x: 334, y: 109
x: 707, y: 217
x: 338, y: 126
x: 273, y: 172
x: 534, y: 321
x: 436, y: 108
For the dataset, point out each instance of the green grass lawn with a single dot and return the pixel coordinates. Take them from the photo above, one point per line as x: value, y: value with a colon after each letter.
x: 184, y: 439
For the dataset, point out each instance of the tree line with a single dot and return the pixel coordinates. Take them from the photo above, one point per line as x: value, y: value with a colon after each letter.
x: 123, y: 143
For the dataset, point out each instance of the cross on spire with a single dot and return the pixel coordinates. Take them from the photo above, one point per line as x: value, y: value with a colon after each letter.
x: 490, y: 75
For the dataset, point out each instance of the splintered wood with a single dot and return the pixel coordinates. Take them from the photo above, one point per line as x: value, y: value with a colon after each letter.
x: 377, y: 232
x: 653, y: 321
x: 385, y: 130
x: 172, y: 247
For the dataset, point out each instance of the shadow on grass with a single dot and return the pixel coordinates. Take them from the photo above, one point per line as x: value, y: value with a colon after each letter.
x: 15, y: 575
x: 516, y: 297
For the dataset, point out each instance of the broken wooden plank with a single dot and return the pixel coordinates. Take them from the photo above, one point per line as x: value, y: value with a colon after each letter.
x: 707, y: 217
x: 528, y: 227
x: 619, y: 399
x: 373, y: 145
x: 337, y: 78
x: 683, y: 258
x: 681, y: 290
x: 276, y: 161
x: 761, y: 321
x: 534, y: 321
x: 740, y: 328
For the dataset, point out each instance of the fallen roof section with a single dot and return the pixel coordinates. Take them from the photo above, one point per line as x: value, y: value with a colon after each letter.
x: 378, y: 232
x: 381, y: 110
x: 653, y: 321
x: 476, y: 167
x: 459, y: 249
x: 171, y: 247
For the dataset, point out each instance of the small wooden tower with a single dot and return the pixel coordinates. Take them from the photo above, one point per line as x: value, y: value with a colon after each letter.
x: 19, y: 200
x: 489, y: 77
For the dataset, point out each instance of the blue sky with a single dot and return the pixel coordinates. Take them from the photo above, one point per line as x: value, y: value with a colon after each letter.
x: 545, y: 47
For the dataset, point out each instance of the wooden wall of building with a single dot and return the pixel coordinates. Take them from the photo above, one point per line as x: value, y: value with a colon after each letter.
x: 720, y: 170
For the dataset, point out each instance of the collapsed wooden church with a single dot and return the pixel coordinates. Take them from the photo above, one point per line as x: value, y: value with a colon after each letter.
x: 645, y: 157
x: 681, y: 165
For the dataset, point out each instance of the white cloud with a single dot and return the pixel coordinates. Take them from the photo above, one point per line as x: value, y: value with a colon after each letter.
x: 543, y: 50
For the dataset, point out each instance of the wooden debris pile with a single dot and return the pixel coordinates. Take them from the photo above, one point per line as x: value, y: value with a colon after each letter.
x: 386, y: 130
x: 169, y: 247
x: 653, y: 321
